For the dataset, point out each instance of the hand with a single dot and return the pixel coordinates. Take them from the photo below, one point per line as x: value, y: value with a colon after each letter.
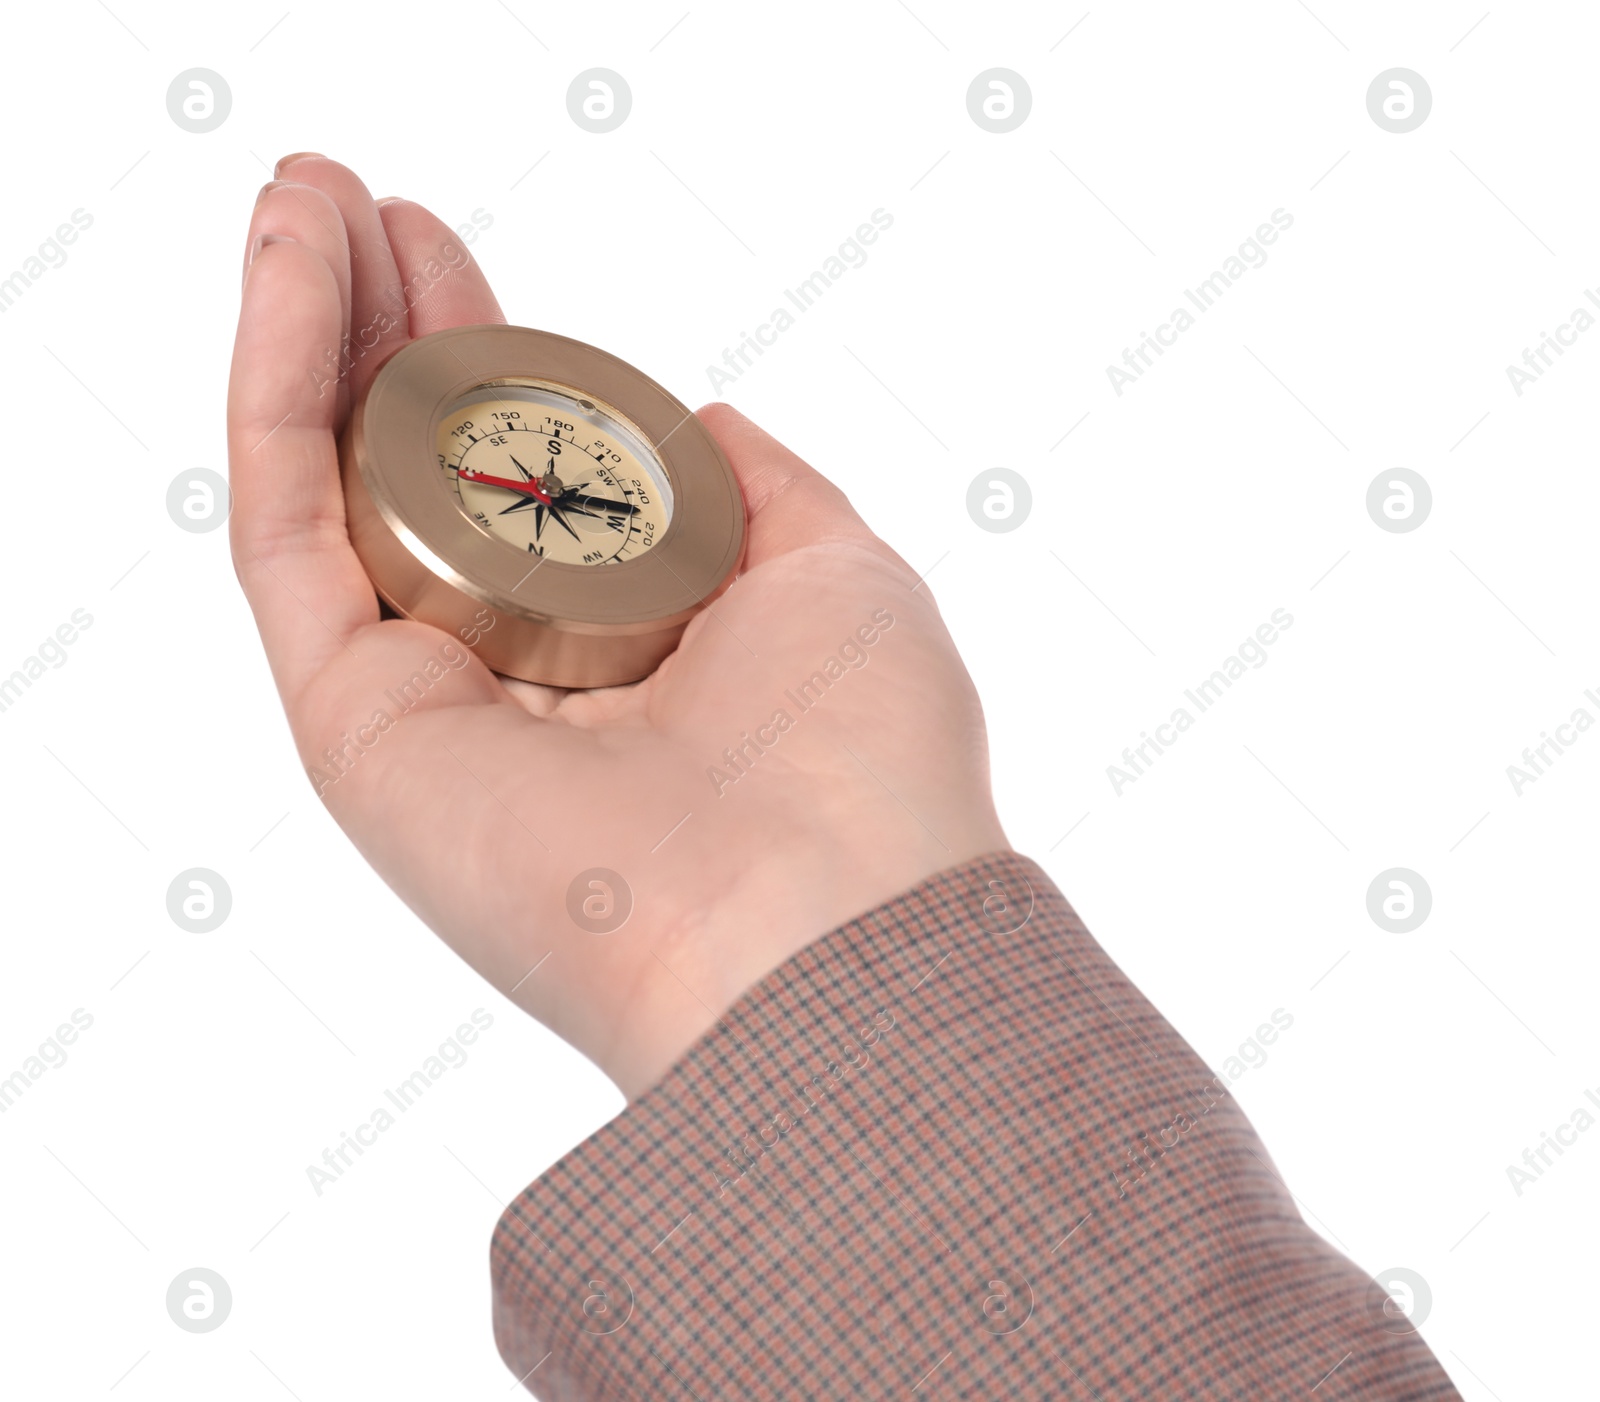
x: 482, y: 801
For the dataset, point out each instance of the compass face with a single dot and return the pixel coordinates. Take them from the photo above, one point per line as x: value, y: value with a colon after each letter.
x: 553, y: 475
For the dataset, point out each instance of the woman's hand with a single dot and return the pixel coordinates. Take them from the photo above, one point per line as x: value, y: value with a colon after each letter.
x: 812, y: 748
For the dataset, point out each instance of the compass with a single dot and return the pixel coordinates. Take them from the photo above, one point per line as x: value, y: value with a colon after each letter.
x: 541, y: 499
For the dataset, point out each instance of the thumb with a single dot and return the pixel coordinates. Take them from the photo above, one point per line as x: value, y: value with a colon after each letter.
x: 788, y: 503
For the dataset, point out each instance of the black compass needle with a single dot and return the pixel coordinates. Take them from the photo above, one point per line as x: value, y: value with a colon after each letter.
x: 606, y: 504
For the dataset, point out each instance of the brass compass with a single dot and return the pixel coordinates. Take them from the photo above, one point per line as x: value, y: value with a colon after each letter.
x: 565, y: 491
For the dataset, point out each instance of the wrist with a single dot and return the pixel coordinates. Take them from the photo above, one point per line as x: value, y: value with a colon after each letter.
x: 710, y: 957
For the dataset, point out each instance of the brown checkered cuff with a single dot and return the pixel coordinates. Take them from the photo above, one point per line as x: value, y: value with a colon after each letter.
x: 949, y: 1148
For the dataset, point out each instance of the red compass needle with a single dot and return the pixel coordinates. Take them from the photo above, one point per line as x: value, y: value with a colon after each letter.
x: 526, y: 488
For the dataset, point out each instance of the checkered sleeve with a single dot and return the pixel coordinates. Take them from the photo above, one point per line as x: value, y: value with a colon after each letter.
x: 947, y: 1150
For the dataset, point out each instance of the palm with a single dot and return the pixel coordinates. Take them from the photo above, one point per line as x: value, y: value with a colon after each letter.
x: 481, y: 800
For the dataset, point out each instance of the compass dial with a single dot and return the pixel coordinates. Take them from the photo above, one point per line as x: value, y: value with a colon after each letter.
x: 553, y: 474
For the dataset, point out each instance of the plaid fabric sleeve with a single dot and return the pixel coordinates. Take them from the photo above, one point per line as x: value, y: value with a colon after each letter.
x: 947, y: 1150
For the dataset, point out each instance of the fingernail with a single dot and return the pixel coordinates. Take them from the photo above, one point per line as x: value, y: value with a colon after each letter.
x: 268, y: 188
x: 389, y: 199
x: 256, y: 245
x: 290, y: 159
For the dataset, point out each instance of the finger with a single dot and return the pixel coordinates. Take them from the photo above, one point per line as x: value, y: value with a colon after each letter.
x: 441, y: 282
x: 378, y: 322
x: 304, y: 214
x: 294, y: 560
x: 788, y: 503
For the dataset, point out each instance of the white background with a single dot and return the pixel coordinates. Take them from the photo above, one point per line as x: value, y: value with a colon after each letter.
x: 1228, y: 482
